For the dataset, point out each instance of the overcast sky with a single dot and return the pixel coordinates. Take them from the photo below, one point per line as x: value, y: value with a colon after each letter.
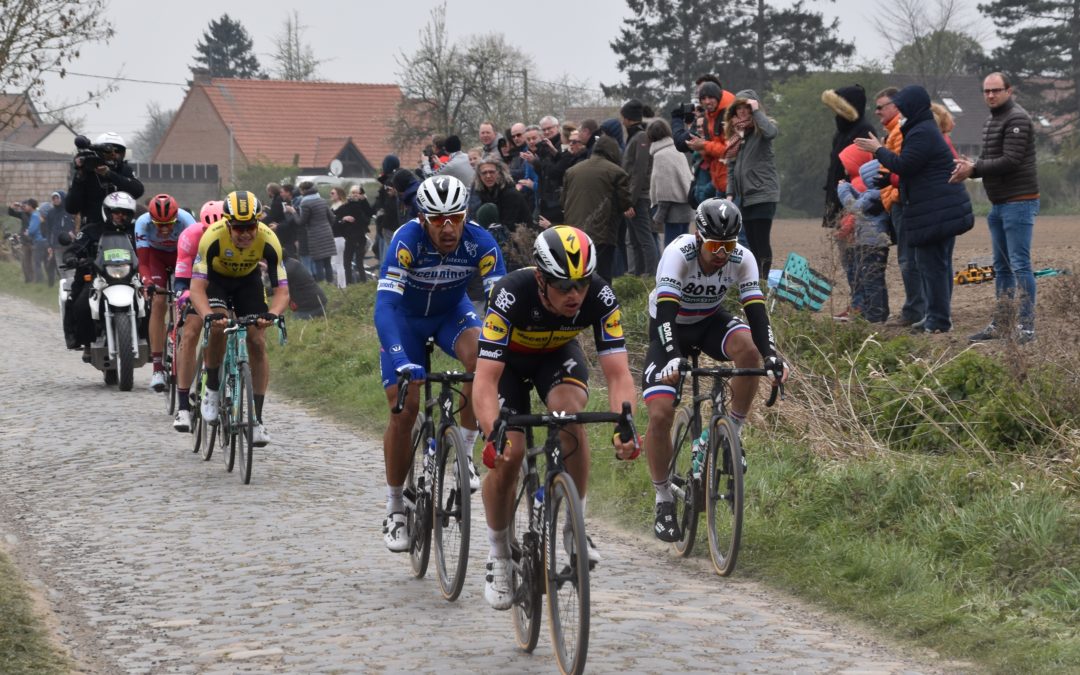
x: 155, y: 41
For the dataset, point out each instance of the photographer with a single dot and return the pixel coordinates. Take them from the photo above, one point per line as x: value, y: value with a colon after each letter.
x: 709, y: 141
x: 100, y: 169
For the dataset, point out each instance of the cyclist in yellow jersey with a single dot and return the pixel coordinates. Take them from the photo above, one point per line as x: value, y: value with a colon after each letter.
x: 226, y: 272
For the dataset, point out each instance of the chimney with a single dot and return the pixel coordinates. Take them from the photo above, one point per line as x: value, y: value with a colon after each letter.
x: 200, y: 76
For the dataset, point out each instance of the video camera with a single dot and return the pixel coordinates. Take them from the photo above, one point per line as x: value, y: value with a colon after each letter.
x: 92, y: 155
x: 686, y: 111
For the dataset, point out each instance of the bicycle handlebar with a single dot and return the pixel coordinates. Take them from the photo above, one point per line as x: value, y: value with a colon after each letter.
x: 624, y: 419
x: 727, y: 372
x: 450, y: 377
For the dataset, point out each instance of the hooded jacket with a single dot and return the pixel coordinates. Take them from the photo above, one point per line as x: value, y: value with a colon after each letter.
x: 58, y: 220
x: 934, y: 209
x: 596, y: 192
x: 753, y: 178
x: 862, y: 199
x: 849, y: 106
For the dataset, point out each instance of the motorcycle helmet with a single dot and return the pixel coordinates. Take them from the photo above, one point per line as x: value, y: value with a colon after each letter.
x: 718, y: 219
x: 163, y: 209
x: 111, y: 139
x: 211, y: 212
x: 118, y: 202
x: 564, y: 252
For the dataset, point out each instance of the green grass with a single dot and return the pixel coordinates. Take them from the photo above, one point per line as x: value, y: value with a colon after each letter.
x: 968, y: 548
x: 24, y: 642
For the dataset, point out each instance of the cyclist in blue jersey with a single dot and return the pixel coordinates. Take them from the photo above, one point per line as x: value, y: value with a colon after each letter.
x: 421, y: 293
x: 156, y: 234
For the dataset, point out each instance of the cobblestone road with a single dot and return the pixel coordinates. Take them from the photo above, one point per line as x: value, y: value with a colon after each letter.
x: 153, y: 561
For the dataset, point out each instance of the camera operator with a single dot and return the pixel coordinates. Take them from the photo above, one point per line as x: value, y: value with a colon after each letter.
x: 386, y: 207
x: 710, y: 141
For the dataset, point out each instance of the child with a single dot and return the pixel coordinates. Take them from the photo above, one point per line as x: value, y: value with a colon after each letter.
x: 865, y: 231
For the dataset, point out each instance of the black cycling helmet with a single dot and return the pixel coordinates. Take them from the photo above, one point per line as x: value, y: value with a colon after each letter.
x: 718, y: 219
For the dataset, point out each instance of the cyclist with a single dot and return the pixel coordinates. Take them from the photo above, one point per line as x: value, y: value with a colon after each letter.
x: 421, y: 294
x: 226, y: 273
x: 156, y: 234
x: 186, y: 249
x: 685, y: 311
x: 529, y: 339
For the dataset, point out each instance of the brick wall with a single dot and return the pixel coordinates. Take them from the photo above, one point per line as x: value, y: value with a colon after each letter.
x: 20, y: 179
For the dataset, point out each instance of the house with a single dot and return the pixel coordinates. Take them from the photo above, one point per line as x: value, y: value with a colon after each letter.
x: 235, y: 123
x: 31, y: 172
x: 20, y: 124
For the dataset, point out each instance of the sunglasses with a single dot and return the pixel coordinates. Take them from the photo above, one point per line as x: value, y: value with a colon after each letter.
x: 243, y: 226
x: 567, y: 285
x: 440, y: 220
x: 714, y: 246
x: 162, y: 224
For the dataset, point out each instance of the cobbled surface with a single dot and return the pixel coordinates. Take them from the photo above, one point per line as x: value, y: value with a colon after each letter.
x: 153, y: 561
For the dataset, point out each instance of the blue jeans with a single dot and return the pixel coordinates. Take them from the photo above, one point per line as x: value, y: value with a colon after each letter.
x: 914, y: 301
x: 935, y: 266
x: 1011, y: 226
x: 869, y: 282
x: 673, y: 230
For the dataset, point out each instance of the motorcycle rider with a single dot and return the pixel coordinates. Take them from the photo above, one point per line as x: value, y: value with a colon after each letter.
x: 99, y: 170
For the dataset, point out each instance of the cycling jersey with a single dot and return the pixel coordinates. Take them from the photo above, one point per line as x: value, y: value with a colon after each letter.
x: 187, y: 247
x: 218, y: 256
x: 679, y: 279
x: 518, y: 323
x: 146, y: 233
x: 415, y: 280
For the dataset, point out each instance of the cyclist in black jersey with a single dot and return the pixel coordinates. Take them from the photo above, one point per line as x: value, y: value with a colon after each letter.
x: 694, y: 275
x: 528, y: 340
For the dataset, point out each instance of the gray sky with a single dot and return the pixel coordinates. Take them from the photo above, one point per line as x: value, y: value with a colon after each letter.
x: 155, y: 41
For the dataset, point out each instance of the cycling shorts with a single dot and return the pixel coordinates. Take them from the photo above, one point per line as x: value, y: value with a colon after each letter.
x: 414, y: 332
x: 246, y: 295
x: 544, y: 371
x: 155, y: 265
x: 709, y: 335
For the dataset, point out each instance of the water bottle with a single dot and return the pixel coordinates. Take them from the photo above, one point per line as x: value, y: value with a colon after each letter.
x: 697, y: 453
x: 538, y: 498
x: 429, y: 456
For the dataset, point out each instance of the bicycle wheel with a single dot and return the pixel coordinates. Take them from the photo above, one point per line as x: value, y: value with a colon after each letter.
x: 526, y: 570
x: 419, y: 516
x: 567, y: 577
x: 225, y: 427
x: 685, y: 486
x: 243, y: 421
x: 450, y: 514
x: 724, y: 495
x: 168, y: 362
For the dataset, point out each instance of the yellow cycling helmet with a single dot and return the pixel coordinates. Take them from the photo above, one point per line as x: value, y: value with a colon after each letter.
x: 242, y: 206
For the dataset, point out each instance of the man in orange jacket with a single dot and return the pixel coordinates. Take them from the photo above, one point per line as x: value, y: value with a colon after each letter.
x: 713, y: 145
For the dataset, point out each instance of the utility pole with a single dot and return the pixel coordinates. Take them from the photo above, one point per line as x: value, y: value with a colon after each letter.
x: 525, y: 91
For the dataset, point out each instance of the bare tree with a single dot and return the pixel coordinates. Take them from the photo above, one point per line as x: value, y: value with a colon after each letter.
x: 147, y: 139
x: 40, y: 36
x: 295, y: 59
x: 933, y: 40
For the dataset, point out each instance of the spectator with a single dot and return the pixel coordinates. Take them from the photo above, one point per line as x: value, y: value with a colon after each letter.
x: 58, y: 221
x: 494, y: 185
x: 488, y: 137
x: 669, y: 183
x: 588, y: 133
x: 306, y: 299
x: 475, y: 154
x: 753, y: 182
x: 288, y: 229
x: 564, y: 134
x: 936, y: 211
x: 596, y: 194
x: 405, y: 184
x: 523, y: 167
x: 637, y: 161
x: 386, y: 206
x: 22, y: 211
x: 315, y: 220
x: 709, y: 141
x: 613, y: 128
x: 849, y: 106
x: 457, y: 163
x: 39, y: 239
x: 1010, y: 178
x: 353, y: 218
x: 865, y: 231
x: 337, y: 198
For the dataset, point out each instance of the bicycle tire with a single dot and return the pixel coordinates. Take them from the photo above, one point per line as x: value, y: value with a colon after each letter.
x: 526, y: 570
x: 243, y: 422
x: 168, y: 363
x: 419, y: 518
x: 224, y: 427
x: 567, y: 574
x: 724, y: 496
x: 450, y: 515
x: 685, y: 486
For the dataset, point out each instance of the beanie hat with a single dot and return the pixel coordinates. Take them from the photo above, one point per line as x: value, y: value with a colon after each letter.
x: 487, y: 214
x: 390, y: 164
x: 452, y: 144
x: 710, y: 89
x: 632, y: 110
x: 402, y: 179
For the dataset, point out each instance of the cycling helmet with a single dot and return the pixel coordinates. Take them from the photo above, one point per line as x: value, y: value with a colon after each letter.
x: 211, y: 213
x: 564, y: 252
x: 242, y: 206
x: 117, y: 201
x: 111, y: 138
x: 442, y: 194
x: 163, y: 209
x: 718, y: 219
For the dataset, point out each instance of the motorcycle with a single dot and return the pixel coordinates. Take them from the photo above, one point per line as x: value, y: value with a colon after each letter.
x: 118, y: 308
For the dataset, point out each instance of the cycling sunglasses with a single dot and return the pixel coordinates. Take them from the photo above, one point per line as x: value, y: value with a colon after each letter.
x: 242, y: 225
x: 567, y: 285
x: 441, y: 219
x: 713, y: 246
x: 162, y: 224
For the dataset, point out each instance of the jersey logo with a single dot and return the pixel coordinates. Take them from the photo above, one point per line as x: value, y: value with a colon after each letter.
x: 487, y: 263
x: 612, y: 329
x: 470, y: 248
x: 228, y: 253
x: 504, y: 300
x: 607, y: 296
x: 495, y: 329
x: 404, y: 257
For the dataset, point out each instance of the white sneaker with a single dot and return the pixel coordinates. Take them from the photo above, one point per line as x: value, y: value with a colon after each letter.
x: 157, y: 381
x: 209, y: 406
x: 474, y: 478
x: 395, y: 534
x: 260, y: 437
x: 497, y: 589
x: 182, y: 421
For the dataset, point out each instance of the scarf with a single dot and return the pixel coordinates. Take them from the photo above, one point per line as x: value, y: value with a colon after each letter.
x: 735, y: 141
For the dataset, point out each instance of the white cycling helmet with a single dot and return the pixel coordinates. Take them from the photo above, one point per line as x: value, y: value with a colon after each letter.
x: 441, y: 195
x: 117, y: 201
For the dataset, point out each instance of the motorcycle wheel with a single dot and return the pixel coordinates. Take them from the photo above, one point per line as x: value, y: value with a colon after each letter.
x: 125, y: 356
x: 110, y: 377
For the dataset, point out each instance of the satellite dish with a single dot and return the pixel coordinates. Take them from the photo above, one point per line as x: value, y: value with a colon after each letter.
x: 336, y: 167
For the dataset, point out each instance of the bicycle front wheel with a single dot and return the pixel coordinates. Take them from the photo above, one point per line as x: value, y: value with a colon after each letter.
x: 243, y: 421
x: 567, y: 578
x: 168, y: 362
x: 526, y: 570
x: 450, y: 514
x: 724, y: 495
x: 684, y: 484
x: 418, y: 492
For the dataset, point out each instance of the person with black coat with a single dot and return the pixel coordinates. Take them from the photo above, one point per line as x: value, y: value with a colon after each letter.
x: 353, y: 217
x: 90, y: 185
x: 849, y: 105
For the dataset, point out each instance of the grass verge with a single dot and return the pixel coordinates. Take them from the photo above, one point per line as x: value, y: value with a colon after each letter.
x: 24, y: 642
